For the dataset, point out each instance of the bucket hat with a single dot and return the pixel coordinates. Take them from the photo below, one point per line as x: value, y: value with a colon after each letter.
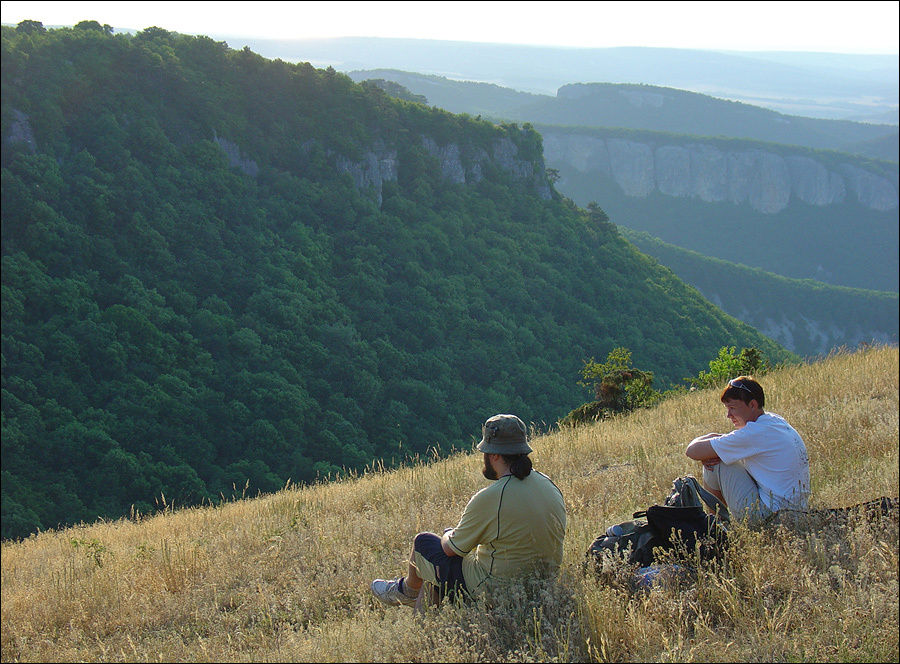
x: 504, y: 434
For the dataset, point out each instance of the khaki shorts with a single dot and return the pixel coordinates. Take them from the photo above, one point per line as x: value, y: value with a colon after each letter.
x: 436, y: 567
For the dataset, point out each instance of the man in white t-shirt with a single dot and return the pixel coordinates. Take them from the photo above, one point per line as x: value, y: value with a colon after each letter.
x: 760, y: 467
x: 512, y: 527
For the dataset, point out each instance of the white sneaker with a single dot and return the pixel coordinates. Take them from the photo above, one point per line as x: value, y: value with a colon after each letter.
x: 389, y: 593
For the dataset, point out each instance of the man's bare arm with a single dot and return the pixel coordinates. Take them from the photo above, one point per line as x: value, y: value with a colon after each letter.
x: 701, y: 449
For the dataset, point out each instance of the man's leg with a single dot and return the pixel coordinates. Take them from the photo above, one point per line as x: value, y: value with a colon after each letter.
x: 413, y: 581
x: 732, y: 484
x: 716, y: 492
x: 427, y: 563
x: 438, y: 573
x: 404, y: 590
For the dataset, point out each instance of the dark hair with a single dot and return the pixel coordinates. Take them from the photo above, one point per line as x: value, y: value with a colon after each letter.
x: 744, y: 388
x: 519, y: 464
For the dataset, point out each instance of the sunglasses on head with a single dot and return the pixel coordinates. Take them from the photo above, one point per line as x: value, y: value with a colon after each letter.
x: 738, y: 384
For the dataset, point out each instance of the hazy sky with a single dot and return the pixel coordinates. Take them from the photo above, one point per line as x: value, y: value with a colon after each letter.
x: 840, y: 27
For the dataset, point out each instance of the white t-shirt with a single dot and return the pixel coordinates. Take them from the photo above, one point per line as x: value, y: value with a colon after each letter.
x: 774, y: 455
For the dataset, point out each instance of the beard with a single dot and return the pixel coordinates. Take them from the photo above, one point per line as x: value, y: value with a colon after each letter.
x: 488, y: 471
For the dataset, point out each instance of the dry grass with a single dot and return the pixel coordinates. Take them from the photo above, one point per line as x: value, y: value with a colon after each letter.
x: 285, y: 577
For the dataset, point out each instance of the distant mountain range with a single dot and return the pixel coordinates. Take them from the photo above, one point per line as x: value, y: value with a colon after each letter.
x: 821, y: 85
x: 646, y: 107
x: 856, y: 87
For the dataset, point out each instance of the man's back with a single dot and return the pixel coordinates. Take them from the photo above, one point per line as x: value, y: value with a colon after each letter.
x: 511, y: 527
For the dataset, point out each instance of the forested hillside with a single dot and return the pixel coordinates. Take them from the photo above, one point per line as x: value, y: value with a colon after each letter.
x: 807, y: 316
x: 816, y: 214
x: 666, y: 109
x: 223, y: 272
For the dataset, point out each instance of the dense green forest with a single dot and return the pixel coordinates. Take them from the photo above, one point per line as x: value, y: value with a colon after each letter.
x: 176, y: 327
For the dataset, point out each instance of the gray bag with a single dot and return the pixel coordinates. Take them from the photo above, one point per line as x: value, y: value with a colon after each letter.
x: 688, y: 492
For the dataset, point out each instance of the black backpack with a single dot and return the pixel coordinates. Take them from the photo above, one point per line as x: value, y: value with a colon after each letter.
x: 681, y: 523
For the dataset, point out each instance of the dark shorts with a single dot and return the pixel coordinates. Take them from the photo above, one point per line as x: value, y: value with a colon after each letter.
x: 447, y: 569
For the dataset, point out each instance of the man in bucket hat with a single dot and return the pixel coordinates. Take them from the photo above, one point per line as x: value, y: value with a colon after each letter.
x: 512, y: 527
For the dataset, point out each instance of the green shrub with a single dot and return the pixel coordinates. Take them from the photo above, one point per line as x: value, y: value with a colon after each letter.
x: 729, y: 364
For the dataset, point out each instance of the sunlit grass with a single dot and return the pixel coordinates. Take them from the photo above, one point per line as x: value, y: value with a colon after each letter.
x: 285, y: 577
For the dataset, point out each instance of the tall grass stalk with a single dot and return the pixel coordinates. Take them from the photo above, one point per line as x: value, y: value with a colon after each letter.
x: 285, y: 577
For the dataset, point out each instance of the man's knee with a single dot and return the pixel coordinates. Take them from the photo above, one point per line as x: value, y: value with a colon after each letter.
x: 723, y: 474
x: 738, y: 488
x: 711, y: 478
x: 423, y: 541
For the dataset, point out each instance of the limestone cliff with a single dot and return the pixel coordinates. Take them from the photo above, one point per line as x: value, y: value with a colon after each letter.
x: 766, y: 180
x: 235, y: 158
x: 20, y: 132
x: 459, y: 164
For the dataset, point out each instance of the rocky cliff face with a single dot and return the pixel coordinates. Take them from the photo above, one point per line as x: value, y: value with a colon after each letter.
x: 459, y: 164
x: 20, y: 132
x: 235, y: 158
x: 765, y: 180
x: 378, y: 165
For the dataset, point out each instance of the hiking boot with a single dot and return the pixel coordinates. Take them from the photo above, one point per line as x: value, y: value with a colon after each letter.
x: 389, y: 593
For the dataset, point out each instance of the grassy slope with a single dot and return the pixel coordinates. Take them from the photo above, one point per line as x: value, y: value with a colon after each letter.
x: 284, y: 577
